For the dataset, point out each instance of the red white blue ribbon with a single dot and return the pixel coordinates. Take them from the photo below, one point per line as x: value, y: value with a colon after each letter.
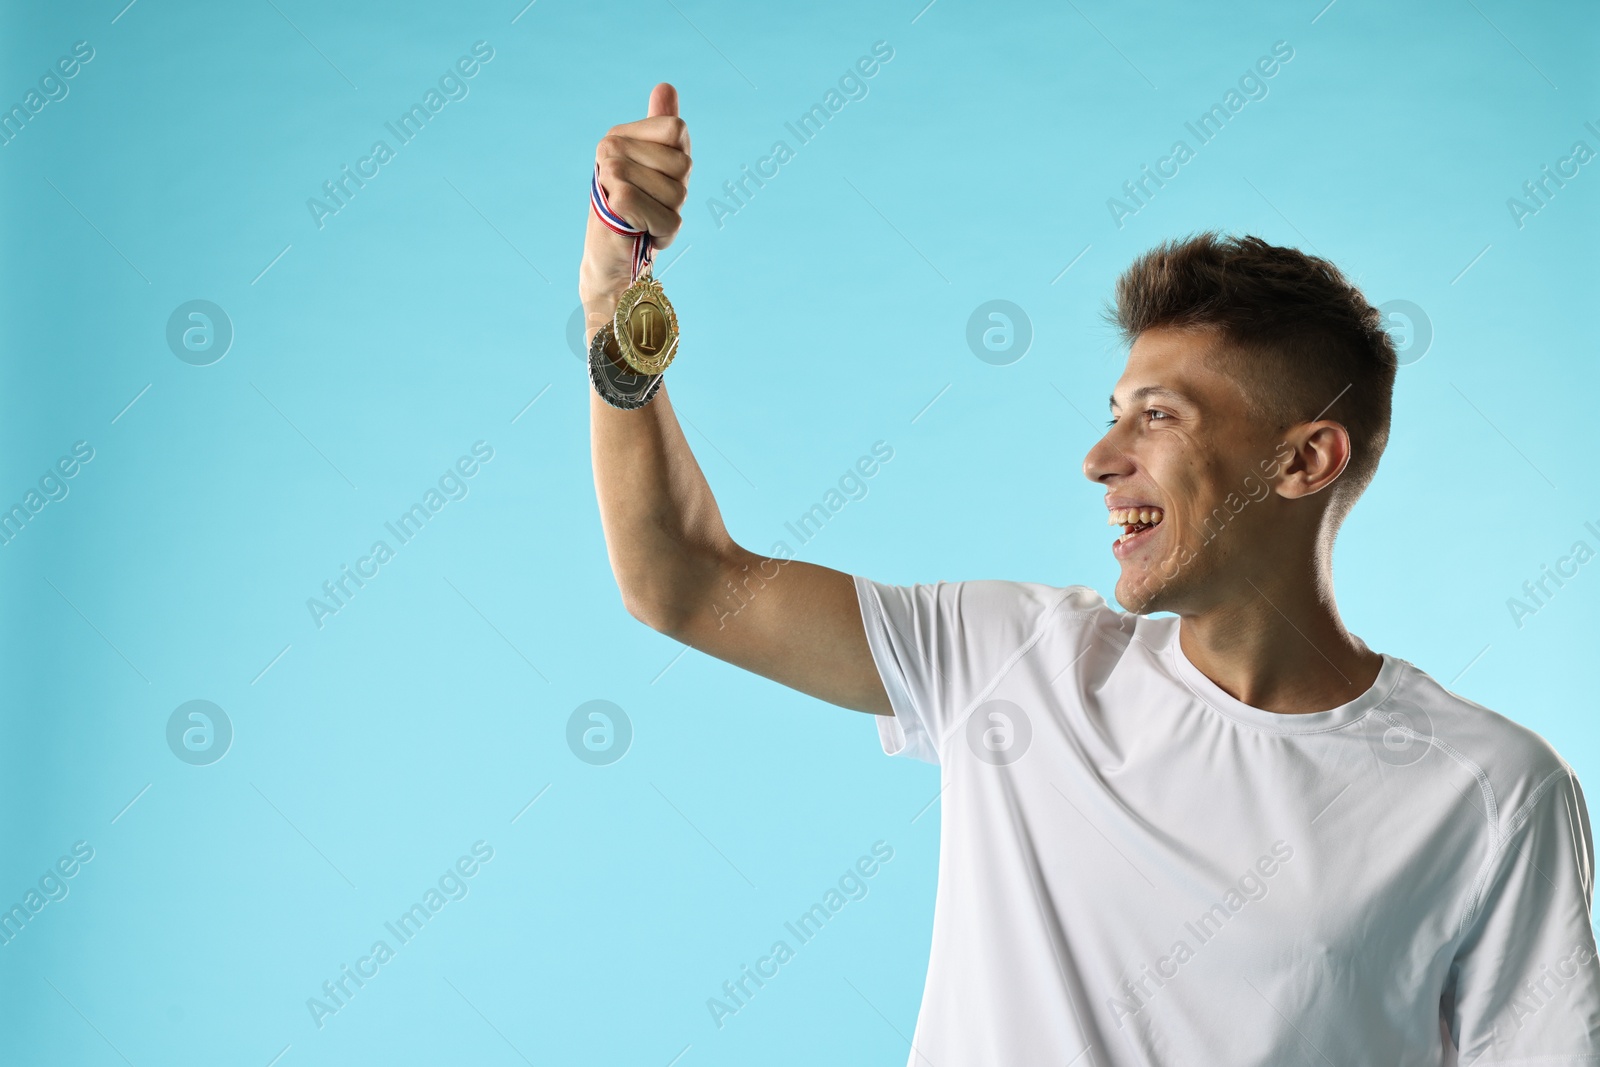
x: 643, y: 251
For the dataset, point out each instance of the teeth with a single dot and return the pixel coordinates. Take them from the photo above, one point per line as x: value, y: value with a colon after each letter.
x: 1134, y: 516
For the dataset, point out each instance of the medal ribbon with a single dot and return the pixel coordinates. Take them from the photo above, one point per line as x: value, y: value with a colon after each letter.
x: 643, y: 252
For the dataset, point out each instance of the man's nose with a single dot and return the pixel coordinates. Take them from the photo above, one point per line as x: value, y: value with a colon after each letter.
x: 1107, y: 458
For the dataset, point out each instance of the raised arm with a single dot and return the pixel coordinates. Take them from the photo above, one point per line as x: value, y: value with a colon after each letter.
x: 677, y: 569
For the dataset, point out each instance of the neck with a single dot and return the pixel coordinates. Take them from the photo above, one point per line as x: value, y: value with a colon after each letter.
x: 1278, y: 643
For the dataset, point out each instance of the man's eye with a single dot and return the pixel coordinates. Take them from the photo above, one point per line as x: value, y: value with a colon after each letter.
x: 1152, y: 415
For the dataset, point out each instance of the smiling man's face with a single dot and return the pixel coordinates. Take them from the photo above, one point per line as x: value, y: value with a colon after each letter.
x: 1187, y: 471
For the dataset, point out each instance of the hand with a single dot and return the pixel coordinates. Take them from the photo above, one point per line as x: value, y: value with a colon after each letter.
x: 644, y: 170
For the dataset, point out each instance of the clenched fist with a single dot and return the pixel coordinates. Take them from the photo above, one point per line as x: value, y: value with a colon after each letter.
x: 644, y: 170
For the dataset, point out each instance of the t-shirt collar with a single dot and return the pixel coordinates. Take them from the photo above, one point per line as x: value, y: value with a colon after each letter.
x: 1214, y: 696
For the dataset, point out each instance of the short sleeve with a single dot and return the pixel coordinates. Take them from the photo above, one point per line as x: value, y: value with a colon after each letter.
x: 1525, y: 981
x: 939, y: 647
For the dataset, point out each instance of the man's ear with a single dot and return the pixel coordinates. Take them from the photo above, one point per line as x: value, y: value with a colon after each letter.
x: 1321, y: 451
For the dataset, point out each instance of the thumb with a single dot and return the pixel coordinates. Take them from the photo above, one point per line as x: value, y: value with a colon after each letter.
x: 663, y: 100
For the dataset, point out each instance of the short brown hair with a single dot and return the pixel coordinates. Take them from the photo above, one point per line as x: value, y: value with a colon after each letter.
x: 1302, y: 338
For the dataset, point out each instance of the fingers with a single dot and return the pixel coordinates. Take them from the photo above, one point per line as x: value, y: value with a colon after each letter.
x: 669, y: 161
x: 644, y: 166
x: 645, y: 198
x: 619, y: 174
x: 662, y: 129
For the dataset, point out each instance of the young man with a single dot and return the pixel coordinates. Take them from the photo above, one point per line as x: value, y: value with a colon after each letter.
x: 1235, y: 836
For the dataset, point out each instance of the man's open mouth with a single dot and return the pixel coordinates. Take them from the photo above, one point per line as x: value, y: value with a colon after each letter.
x: 1134, y: 521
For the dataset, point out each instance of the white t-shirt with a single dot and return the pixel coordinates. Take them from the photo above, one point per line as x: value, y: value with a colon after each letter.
x: 1137, y: 868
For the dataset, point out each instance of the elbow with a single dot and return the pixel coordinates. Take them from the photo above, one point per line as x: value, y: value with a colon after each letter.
x: 652, y: 611
x: 671, y: 596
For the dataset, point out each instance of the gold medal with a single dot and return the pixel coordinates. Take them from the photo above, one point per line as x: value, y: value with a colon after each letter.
x: 646, y: 326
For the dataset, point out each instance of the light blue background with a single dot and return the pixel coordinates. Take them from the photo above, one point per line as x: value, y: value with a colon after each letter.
x: 821, y: 318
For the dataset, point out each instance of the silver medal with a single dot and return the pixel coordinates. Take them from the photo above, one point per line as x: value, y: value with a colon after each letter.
x: 616, y: 383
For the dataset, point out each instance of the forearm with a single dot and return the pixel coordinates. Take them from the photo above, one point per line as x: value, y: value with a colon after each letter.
x: 675, y: 565
x: 664, y: 533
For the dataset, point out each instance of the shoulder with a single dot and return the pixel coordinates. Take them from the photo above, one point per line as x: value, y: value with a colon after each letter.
x: 1514, y: 765
x: 939, y: 646
x: 1029, y: 597
x: 1527, y: 795
x: 985, y: 600
x: 983, y: 623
